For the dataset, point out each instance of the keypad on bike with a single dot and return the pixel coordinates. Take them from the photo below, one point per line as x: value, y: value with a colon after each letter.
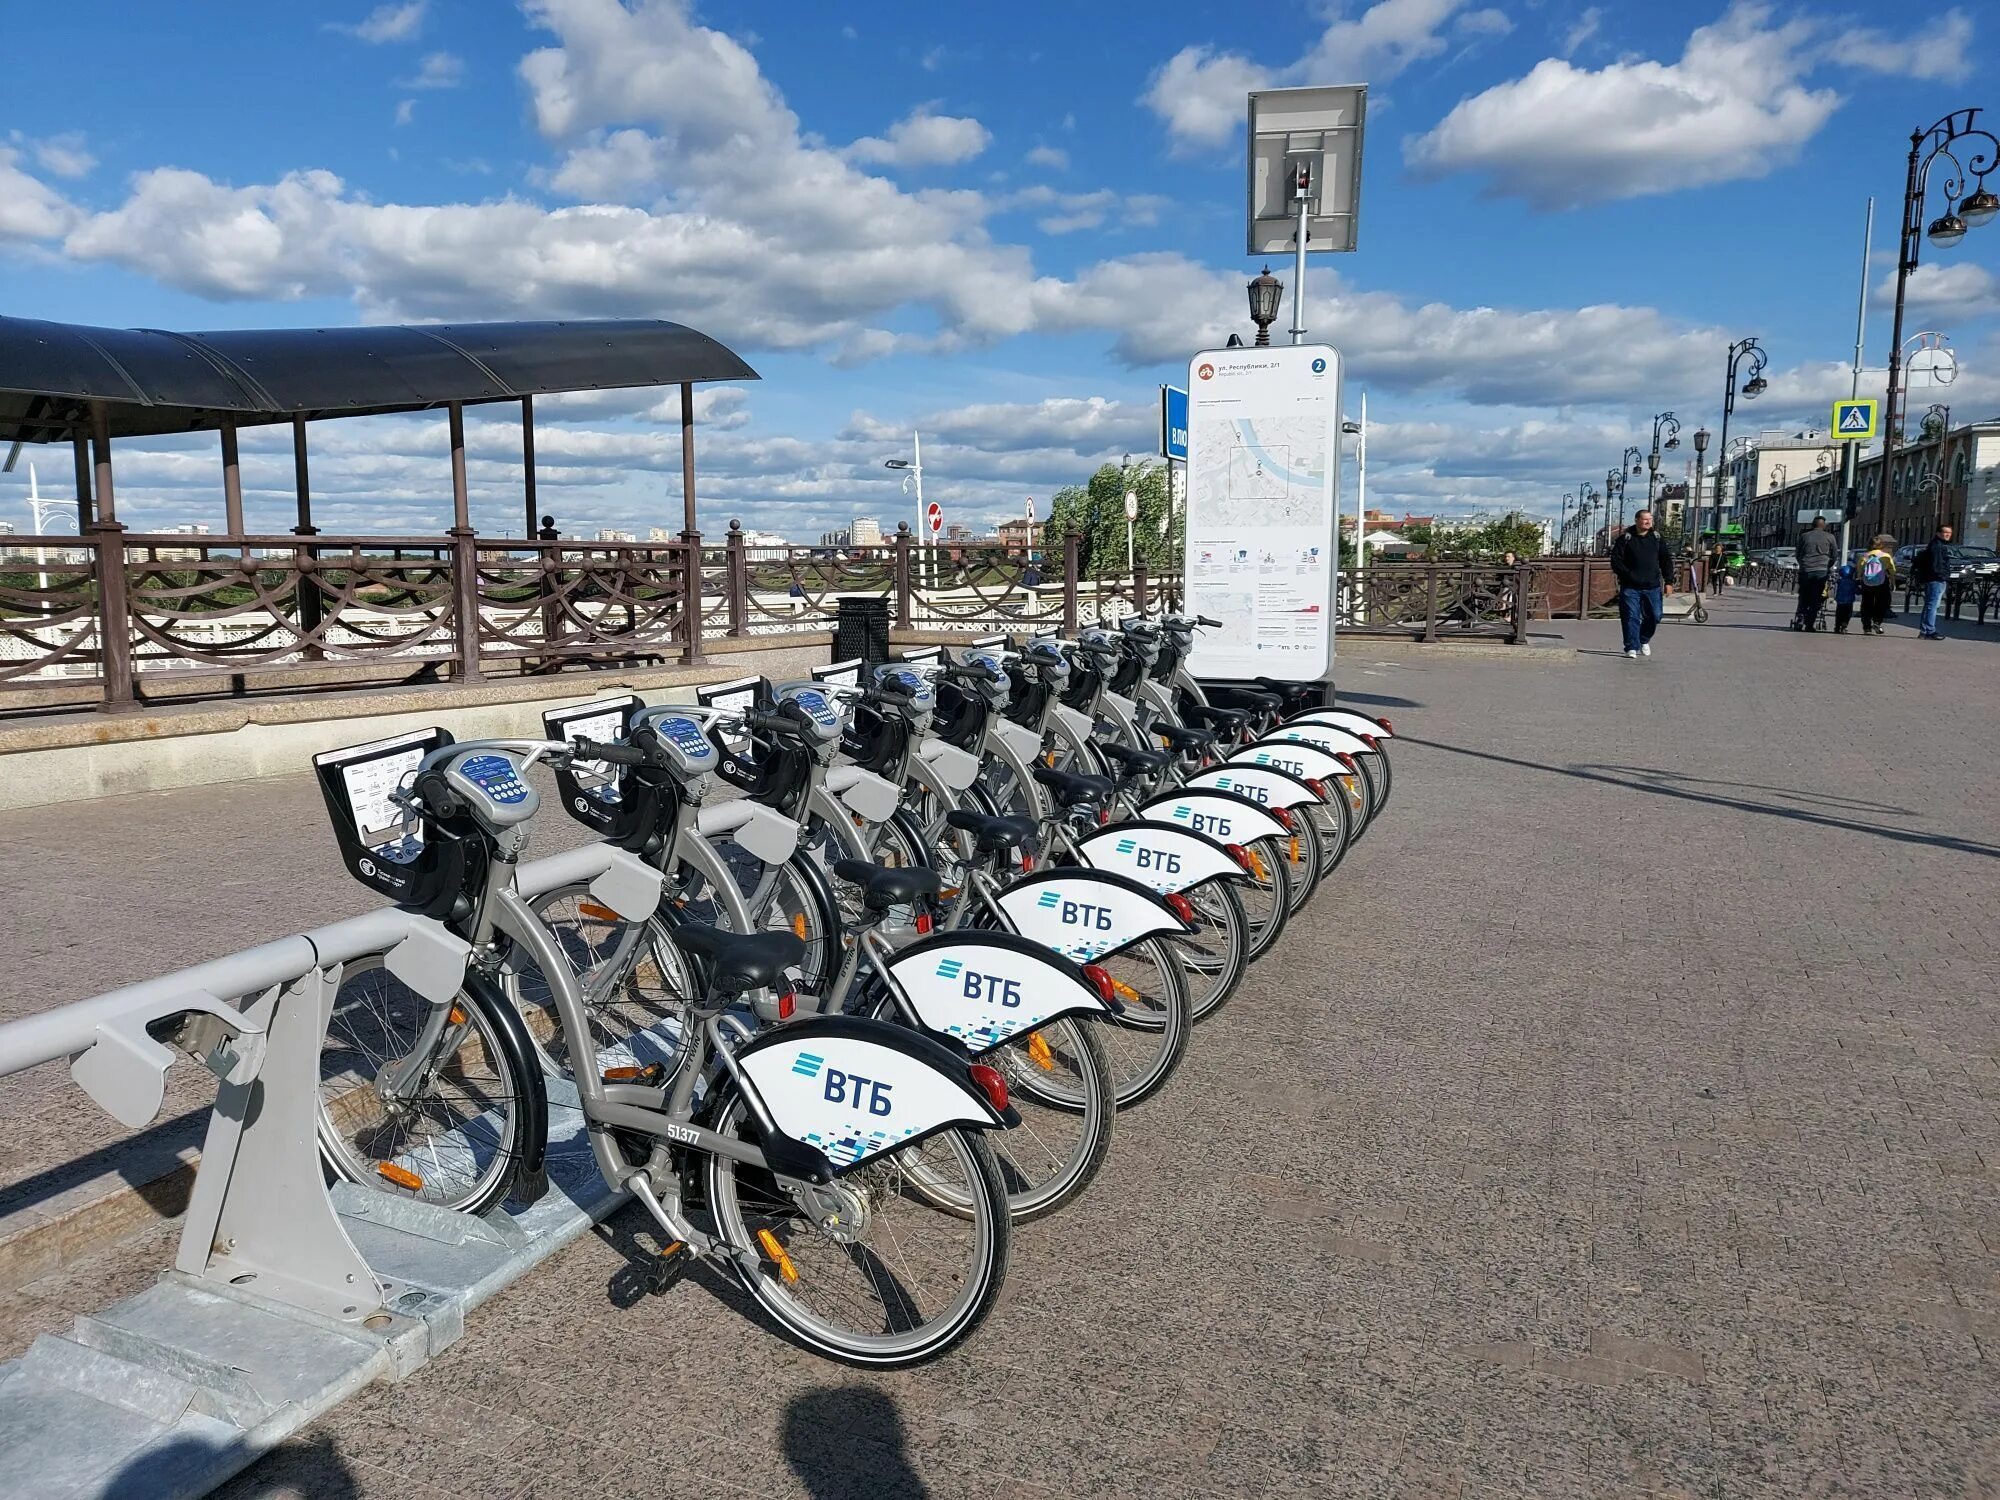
x: 495, y: 775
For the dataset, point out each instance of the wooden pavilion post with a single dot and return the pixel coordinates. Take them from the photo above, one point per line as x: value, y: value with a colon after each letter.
x: 106, y: 539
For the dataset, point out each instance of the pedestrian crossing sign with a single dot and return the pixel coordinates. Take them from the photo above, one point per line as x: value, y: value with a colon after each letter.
x: 1853, y: 421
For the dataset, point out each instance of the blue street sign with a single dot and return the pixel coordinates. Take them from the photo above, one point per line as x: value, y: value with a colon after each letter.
x: 1173, y: 422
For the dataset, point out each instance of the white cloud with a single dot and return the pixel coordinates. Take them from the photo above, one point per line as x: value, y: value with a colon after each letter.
x: 29, y: 209
x: 1199, y: 91
x: 387, y: 23
x: 1053, y: 157
x: 924, y: 139
x: 439, y: 70
x: 406, y: 111
x: 1946, y: 290
x: 1734, y: 106
x: 1585, y: 28
x: 1488, y: 22
x: 64, y: 155
x: 1943, y: 50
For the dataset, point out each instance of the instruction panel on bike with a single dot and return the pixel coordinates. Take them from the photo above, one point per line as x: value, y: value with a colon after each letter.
x: 1263, y: 473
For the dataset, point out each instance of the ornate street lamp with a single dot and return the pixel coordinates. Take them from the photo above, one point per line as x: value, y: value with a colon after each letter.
x: 1700, y: 464
x: 1962, y: 211
x: 1562, y: 531
x: 1663, y: 423
x: 1266, y: 294
x: 1746, y: 352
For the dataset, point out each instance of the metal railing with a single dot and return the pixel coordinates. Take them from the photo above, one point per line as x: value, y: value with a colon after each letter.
x: 1434, y: 601
x: 138, y: 616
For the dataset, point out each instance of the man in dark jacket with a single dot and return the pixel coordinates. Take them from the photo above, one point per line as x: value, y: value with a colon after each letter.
x: 1933, y: 573
x: 1817, y: 549
x: 1645, y: 569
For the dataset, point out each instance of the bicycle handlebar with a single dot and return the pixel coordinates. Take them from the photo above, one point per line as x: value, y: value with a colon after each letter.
x: 610, y: 755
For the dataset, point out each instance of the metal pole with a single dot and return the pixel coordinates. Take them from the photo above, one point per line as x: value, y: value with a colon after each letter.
x: 100, y: 443
x: 461, y: 499
x: 1850, y: 455
x: 1299, y: 272
x: 923, y: 516
x: 232, y: 480
x: 528, y: 462
x: 1361, y: 510
x: 688, y: 526
x: 302, y: 479
x: 1906, y: 262
x: 81, y: 445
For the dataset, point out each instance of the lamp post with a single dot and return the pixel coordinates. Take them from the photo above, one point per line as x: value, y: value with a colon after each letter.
x: 1662, y: 423
x: 912, y: 469
x: 1562, y: 531
x: 1700, y: 470
x: 1962, y: 211
x: 1739, y: 352
x: 1266, y: 294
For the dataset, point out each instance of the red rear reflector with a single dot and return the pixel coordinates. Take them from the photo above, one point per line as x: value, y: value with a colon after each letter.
x: 923, y: 923
x: 787, y: 1003
x: 1241, y: 855
x: 1346, y: 760
x: 1103, y: 816
x: 1107, y: 988
x: 1319, y: 788
x: 1391, y: 728
x: 1027, y: 860
x: 1283, y: 815
x: 992, y: 1085
x: 1183, y: 908
x: 1371, y: 742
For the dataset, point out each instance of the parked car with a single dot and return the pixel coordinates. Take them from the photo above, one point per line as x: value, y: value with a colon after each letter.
x: 1965, y: 560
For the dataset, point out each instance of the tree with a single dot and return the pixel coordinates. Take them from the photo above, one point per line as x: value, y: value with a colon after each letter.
x: 1102, y: 552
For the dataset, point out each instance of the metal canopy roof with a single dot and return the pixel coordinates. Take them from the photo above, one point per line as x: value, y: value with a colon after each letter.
x: 152, y: 381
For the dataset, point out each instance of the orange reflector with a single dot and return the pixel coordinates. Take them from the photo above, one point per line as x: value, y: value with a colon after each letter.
x: 949, y: 893
x: 1125, y: 991
x: 403, y: 1177
x: 1038, y: 1050
x: 624, y: 1075
x: 1296, y: 859
x: 775, y: 1254
x: 457, y: 1016
x: 595, y: 912
x: 799, y: 925
x: 1257, y: 865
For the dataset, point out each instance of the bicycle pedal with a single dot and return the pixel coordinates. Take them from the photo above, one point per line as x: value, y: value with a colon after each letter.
x: 651, y: 1075
x: 668, y: 1267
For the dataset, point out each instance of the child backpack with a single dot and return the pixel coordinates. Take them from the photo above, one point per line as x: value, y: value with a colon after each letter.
x: 1874, y: 570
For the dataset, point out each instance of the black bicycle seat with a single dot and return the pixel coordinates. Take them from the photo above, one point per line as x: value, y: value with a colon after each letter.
x: 1074, y: 791
x: 1254, y: 698
x: 1134, y: 758
x: 991, y: 834
x: 1220, y: 718
x: 884, y: 886
x: 1185, y: 739
x: 741, y: 961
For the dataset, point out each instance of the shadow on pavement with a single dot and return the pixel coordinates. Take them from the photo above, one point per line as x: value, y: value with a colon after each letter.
x: 1620, y: 777
x: 1378, y: 700
x: 310, y: 1465
x: 848, y: 1441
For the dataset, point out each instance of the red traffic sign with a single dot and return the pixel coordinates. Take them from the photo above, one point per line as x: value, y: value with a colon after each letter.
x: 934, y: 513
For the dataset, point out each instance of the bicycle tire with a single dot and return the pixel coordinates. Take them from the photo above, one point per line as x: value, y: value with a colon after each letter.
x: 382, y: 1146
x: 1266, y: 899
x: 796, y: 1232
x: 1216, y: 905
x: 1147, y: 1044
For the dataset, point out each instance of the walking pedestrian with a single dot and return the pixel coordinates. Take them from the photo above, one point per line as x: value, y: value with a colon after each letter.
x: 1816, y: 553
x: 1932, y: 569
x: 1877, y: 574
x: 1718, y: 564
x: 1846, y: 589
x: 1643, y: 566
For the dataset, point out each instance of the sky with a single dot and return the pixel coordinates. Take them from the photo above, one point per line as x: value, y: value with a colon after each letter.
x: 1002, y: 227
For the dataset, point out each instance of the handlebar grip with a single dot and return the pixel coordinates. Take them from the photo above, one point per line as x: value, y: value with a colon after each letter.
x: 1205, y: 620
x: 611, y: 755
x: 770, y: 723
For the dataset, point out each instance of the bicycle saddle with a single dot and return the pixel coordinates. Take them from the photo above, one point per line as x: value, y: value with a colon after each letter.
x: 884, y: 886
x: 739, y: 961
x: 1185, y: 739
x: 992, y: 835
x: 1134, y: 758
x: 1073, y: 791
x: 1221, y: 718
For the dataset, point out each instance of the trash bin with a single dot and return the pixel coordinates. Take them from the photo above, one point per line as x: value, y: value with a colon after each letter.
x: 861, y: 628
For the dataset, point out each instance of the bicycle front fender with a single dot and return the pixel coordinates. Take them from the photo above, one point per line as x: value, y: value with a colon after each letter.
x: 531, y: 1171
x: 982, y: 987
x: 1086, y: 915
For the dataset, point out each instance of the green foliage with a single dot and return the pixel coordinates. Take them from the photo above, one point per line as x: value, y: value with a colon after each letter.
x: 1103, y: 542
x: 1488, y: 541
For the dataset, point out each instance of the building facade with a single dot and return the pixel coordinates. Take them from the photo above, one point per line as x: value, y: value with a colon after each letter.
x: 865, y: 531
x: 1954, y: 478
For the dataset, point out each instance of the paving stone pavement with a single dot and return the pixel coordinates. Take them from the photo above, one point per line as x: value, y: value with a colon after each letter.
x: 1619, y: 1120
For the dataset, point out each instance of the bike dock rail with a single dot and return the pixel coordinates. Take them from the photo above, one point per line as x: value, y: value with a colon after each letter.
x: 286, y: 1295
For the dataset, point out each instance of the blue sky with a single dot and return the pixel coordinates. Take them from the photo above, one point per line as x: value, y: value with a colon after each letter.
x: 1002, y: 225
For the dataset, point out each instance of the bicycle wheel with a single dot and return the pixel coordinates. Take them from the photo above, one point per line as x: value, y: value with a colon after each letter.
x: 1146, y: 1043
x: 865, y: 1270
x: 1216, y: 953
x: 1332, y: 821
x: 1059, y: 1081
x: 801, y: 902
x: 454, y: 1134
x: 1300, y: 852
x: 1266, y: 897
x: 636, y: 1018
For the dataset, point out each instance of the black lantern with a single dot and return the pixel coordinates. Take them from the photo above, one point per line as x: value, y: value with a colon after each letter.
x: 1979, y: 208
x: 1266, y: 292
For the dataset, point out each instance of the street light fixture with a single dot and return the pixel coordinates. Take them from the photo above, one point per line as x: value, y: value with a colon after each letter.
x: 1700, y: 472
x: 1962, y: 211
x: 1743, y: 352
x: 1665, y: 423
x: 1267, y: 293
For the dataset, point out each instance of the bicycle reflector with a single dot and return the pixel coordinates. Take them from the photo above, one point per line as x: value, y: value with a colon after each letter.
x: 923, y: 924
x: 1319, y: 788
x: 1241, y: 855
x: 1386, y: 725
x: 992, y: 1085
x: 1346, y: 760
x: 1103, y: 816
x: 1371, y: 742
x: 1284, y: 817
x: 1107, y: 987
x: 787, y: 1003
x: 1027, y: 861
x: 1183, y: 908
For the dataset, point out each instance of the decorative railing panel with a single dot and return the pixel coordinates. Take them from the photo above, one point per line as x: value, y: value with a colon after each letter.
x: 48, y: 619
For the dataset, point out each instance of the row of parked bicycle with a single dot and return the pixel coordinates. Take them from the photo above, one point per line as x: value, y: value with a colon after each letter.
x: 839, y: 1030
